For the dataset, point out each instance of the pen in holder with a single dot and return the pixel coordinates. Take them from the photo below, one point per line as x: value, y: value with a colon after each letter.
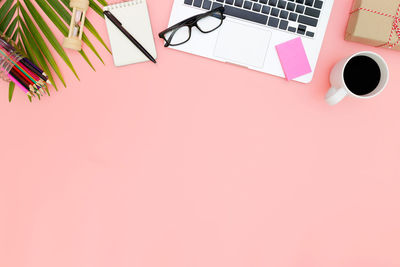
x: 74, y: 39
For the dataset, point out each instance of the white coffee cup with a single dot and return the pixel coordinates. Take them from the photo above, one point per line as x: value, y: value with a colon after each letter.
x: 339, y: 89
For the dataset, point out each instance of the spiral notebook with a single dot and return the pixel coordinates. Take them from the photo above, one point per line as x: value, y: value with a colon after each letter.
x: 134, y: 17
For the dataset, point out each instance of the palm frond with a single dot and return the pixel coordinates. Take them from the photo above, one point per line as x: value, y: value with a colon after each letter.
x: 5, y: 8
x: 11, y: 91
x: 24, y: 22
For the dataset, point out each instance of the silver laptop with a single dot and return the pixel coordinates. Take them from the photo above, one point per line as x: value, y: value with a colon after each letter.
x: 252, y: 29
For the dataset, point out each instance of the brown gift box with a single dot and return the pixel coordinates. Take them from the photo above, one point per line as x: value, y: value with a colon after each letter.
x: 375, y: 22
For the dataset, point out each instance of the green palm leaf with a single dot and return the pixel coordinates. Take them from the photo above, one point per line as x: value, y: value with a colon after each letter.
x: 102, y: 2
x: 96, y: 8
x: 11, y: 91
x: 8, y: 18
x: 11, y: 27
x: 4, y: 9
x: 24, y: 23
x: 48, y: 33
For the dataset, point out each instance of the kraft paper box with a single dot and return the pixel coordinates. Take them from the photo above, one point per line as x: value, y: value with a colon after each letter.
x: 375, y: 22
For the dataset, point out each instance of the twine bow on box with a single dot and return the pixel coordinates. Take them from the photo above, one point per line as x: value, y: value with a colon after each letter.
x: 395, y: 25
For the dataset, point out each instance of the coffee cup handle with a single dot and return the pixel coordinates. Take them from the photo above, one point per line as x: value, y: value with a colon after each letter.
x: 334, y: 95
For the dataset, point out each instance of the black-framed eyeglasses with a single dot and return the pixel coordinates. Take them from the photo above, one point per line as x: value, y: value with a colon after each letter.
x: 181, y: 32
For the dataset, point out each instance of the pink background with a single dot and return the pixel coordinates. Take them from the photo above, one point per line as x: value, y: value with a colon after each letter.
x: 192, y: 162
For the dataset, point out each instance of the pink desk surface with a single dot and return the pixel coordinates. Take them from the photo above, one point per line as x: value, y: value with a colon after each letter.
x: 194, y: 163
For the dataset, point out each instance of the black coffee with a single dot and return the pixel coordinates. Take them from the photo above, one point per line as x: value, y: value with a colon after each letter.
x: 362, y: 75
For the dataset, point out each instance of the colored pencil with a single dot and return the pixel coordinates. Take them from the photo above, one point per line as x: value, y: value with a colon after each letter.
x: 34, y: 70
x: 20, y: 79
x: 20, y: 70
x: 15, y: 71
x: 33, y: 87
x: 32, y: 74
x: 27, y: 61
x: 15, y: 63
x: 14, y: 80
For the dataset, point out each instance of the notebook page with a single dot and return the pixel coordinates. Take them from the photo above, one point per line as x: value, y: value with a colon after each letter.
x: 135, y: 19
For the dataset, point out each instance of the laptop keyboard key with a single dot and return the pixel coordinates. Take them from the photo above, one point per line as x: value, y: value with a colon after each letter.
x: 284, y: 14
x: 229, y: 2
x: 310, y: 34
x: 238, y: 3
x: 309, y: 2
x: 273, y: 22
x: 293, y: 17
x: 318, y: 4
x: 256, y: 7
x: 300, y: 1
x: 266, y: 9
x: 263, y: 1
x: 215, y: 5
x: 292, y: 29
x: 207, y: 4
x: 312, y: 12
x: 247, y: 5
x: 275, y: 12
x: 301, y: 29
x: 188, y: 2
x: 282, y: 4
x: 197, y: 3
x: 291, y: 6
x: 245, y: 14
x: 273, y: 2
x: 283, y: 24
x: 300, y: 9
x: 308, y: 21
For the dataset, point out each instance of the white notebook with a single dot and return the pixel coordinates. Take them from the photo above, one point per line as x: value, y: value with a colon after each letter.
x: 134, y: 17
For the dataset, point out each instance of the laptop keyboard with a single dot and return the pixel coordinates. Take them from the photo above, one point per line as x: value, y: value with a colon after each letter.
x: 294, y: 16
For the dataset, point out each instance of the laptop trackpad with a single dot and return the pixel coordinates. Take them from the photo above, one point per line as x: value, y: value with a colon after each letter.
x: 242, y: 44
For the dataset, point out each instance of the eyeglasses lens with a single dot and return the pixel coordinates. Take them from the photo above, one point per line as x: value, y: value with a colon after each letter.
x: 178, y: 36
x: 211, y: 22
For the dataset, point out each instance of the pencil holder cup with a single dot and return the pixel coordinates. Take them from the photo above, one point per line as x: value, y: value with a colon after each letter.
x: 74, y: 39
x: 9, y: 56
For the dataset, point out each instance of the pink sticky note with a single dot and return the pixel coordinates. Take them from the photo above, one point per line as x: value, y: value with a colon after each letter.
x: 293, y: 58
